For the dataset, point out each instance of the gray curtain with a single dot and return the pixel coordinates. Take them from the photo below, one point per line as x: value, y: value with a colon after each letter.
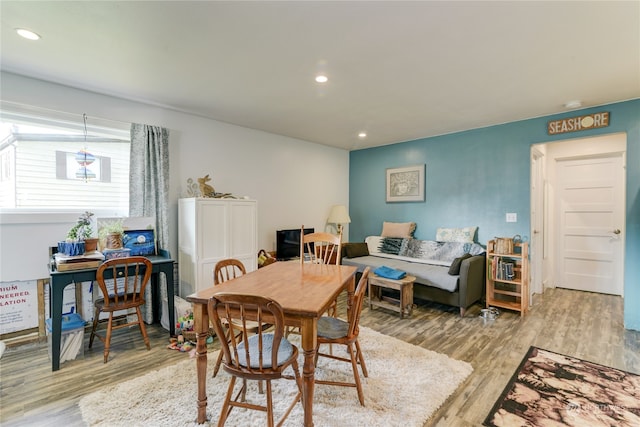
x: 149, y: 186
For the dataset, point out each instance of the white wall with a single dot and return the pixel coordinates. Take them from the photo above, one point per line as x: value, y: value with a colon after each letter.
x: 295, y: 182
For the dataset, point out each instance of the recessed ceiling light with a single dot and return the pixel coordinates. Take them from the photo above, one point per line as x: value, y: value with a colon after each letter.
x: 322, y: 78
x: 27, y: 34
x: 362, y: 135
x: 573, y: 104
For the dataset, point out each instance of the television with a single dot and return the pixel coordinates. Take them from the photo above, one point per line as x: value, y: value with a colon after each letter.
x: 288, y: 243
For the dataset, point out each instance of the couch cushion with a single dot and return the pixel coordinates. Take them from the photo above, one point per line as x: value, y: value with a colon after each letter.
x: 425, y: 251
x: 398, y: 229
x: 454, y: 270
x: 464, y: 234
x: 356, y: 249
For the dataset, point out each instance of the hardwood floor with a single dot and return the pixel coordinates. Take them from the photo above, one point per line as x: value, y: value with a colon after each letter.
x: 585, y: 325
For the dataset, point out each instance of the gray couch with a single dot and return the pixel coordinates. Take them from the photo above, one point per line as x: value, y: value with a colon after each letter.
x: 433, y: 281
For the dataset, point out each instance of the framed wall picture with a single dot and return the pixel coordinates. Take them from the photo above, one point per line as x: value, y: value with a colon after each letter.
x: 140, y: 242
x: 406, y: 184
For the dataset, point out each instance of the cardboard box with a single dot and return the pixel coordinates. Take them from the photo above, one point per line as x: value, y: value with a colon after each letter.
x: 72, y: 338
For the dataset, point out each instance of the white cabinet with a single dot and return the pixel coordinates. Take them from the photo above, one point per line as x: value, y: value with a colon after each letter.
x: 210, y: 230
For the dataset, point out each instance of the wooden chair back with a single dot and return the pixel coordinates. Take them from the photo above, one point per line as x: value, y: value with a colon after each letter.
x: 122, y: 282
x: 356, y: 304
x: 239, y: 313
x: 321, y: 247
x: 228, y: 269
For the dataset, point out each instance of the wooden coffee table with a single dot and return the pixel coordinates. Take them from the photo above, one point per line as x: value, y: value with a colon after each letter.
x: 403, y: 305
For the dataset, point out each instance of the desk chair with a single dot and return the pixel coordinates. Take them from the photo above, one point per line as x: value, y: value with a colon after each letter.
x: 332, y: 330
x: 128, y: 278
x: 261, y: 356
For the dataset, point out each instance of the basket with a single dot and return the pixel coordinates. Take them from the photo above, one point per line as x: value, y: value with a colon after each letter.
x: 504, y: 245
x: 265, y: 258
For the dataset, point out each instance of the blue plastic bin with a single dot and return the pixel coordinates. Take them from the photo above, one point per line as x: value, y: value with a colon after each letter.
x: 72, y: 338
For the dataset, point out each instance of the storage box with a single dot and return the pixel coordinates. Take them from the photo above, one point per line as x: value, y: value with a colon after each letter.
x: 72, y: 338
x: 116, y: 253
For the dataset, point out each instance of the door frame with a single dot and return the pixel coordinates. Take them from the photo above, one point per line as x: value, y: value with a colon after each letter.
x: 574, y: 148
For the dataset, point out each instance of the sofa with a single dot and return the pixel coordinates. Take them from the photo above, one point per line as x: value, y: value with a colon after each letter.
x: 447, y: 272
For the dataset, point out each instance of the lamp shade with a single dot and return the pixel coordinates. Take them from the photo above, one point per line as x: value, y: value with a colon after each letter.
x: 339, y: 215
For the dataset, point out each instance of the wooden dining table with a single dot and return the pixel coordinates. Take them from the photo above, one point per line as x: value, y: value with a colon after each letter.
x: 305, y: 291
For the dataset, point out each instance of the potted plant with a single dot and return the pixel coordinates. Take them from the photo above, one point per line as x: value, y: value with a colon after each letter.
x: 111, y: 233
x: 80, y: 237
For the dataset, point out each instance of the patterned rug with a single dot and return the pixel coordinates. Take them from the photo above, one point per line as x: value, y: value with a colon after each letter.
x: 551, y: 389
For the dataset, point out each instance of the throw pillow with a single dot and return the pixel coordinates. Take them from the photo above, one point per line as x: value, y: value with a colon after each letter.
x: 398, y: 229
x: 465, y: 234
x: 454, y: 270
x: 353, y: 250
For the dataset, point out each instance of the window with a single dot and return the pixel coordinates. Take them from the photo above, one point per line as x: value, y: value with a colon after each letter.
x: 47, y: 164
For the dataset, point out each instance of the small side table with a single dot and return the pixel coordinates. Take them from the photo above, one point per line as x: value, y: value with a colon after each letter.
x: 403, y: 305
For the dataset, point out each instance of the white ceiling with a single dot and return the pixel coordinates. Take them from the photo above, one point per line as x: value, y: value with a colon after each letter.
x: 397, y: 70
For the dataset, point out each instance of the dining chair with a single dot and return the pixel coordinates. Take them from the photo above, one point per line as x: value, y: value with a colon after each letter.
x: 228, y: 269
x: 224, y: 270
x: 322, y: 248
x: 263, y: 356
x: 122, y: 282
x: 332, y: 330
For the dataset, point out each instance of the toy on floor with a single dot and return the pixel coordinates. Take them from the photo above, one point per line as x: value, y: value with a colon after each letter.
x: 181, y: 344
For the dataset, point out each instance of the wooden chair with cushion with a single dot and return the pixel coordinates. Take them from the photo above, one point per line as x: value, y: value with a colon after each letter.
x: 261, y: 356
x: 228, y: 269
x: 321, y: 248
x: 332, y: 330
x: 122, y: 282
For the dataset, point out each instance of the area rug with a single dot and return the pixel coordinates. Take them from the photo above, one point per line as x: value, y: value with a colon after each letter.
x: 551, y: 389
x: 406, y: 385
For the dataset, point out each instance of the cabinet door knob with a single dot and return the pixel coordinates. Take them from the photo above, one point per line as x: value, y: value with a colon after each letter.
x: 616, y: 231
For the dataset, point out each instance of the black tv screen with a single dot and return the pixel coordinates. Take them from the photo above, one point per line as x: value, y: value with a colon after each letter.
x: 288, y: 243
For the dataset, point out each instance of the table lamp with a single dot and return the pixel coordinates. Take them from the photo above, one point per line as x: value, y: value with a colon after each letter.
x: 339, y: 216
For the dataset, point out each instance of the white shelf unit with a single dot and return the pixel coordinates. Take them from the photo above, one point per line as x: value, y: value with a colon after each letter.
x: 210, y: 230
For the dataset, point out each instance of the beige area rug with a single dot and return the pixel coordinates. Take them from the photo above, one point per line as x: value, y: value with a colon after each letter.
x: 406, y: 385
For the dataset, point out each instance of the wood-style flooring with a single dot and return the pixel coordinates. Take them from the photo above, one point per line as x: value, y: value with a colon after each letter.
x: 585, y: 325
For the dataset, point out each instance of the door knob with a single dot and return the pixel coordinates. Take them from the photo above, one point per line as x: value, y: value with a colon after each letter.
x: 616, y: 231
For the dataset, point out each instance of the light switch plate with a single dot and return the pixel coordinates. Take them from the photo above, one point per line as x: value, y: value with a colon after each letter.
x: 512, y: 217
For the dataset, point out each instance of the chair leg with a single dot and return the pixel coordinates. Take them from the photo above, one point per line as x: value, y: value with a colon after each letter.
x: 143, y: 329
x: 269, y: 405
x: 107, y: 339
x: 226, y: 406
x: 95, y: 326
x: 356, y: 374
x: 360, y: 356
x: 218, y: 363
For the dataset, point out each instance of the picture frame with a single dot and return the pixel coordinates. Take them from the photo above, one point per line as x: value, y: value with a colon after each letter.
x: 140, y: 242
x: 406, y: 184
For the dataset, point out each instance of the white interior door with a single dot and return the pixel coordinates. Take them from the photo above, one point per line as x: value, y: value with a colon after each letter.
x: 590, y: 199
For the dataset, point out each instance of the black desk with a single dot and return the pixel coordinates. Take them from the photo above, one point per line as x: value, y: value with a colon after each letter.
x: 60, y: 279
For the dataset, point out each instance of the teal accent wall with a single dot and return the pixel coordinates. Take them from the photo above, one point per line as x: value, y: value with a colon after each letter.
x: 474, y: 178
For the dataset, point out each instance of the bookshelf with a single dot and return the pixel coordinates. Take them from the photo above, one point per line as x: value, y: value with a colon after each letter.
x: 508, y: 276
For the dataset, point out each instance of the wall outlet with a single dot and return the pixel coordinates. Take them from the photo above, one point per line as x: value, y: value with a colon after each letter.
x: 512, y: 217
